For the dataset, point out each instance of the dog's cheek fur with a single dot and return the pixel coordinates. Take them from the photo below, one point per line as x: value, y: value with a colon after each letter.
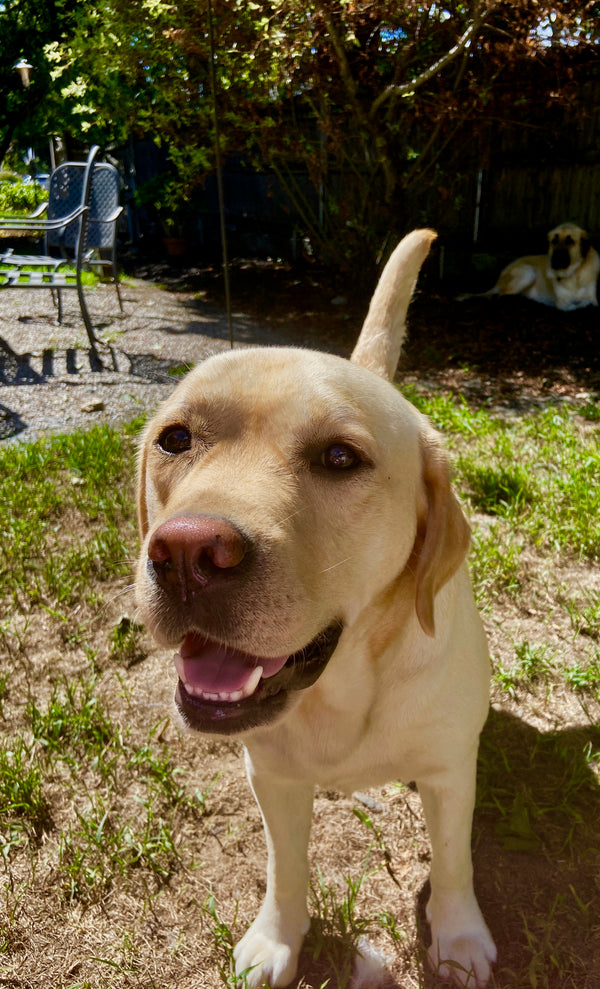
x: 142, y: 501
x: 155, y: 479
x: 393, y: 611
x: 335, y: 545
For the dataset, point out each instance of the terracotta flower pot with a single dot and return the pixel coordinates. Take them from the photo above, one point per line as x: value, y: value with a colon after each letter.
x: 175, y: 246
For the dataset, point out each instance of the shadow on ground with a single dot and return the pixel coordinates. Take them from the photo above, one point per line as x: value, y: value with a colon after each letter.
x: 504, y: 336
x: 11, y: 423
x: 537, y: 841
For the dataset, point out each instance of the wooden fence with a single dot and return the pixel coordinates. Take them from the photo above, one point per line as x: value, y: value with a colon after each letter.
x: 538, y: 177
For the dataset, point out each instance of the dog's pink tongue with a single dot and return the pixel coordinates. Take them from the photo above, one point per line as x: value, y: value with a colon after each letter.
x: 215, y: 668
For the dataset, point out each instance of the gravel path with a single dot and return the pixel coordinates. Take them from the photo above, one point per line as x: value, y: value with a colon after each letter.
x: 46, y: 382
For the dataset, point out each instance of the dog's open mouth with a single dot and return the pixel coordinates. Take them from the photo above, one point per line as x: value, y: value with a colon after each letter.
x: 227, y: 691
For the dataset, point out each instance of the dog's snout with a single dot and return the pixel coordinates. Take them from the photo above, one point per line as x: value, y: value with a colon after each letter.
x: 191, y: 551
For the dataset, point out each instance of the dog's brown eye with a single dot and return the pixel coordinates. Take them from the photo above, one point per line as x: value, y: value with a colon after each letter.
x: 339, y: 456
x: 175, y: 439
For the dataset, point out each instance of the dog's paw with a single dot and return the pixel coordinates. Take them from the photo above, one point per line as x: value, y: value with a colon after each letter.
x: 268, y: 955
x: 462, y: 949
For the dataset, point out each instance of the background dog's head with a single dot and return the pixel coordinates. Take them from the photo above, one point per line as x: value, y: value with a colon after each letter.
x: 568, y: 247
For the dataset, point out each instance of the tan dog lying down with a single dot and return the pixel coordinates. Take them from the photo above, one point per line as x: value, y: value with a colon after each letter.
x: 565, y: 277
x: 305, y: 555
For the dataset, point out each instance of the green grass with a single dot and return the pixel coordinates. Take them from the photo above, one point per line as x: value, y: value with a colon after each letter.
x: 179, y: 370
x: 495, y: 564
x: 585, y: 614
x: 116, y: 826
x: 106, y: 844
x: 338, y: 925
x: 22, y: 804
x: 125, y: 641
x: 533, y: 665
x: 584, y: 677
x: 504, y: 490
x: 88, y: 278
x: 73, y: 721
x: 542, y: 469
x: 67, y: 516
x: 453, y: 415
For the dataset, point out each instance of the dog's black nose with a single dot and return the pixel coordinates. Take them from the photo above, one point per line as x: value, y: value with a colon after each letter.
x: 560, y: 259
x: 188, y: 552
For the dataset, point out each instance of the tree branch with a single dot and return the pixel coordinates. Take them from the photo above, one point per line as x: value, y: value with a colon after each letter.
x: 363, y: 118
x: 345, y: 71
x: 409, y: 87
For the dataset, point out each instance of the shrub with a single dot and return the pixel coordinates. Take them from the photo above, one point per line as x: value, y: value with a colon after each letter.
x: 20, y: 197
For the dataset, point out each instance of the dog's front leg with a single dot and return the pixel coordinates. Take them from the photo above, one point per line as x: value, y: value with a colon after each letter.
x: 462, y: 948
x: 271, y: 946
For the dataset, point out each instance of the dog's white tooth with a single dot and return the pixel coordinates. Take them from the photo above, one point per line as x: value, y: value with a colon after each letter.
x: 249, y: 687
x: 179, y: 666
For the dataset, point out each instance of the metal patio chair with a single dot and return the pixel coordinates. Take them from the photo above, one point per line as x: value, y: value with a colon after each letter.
x: 100, y: 239
x: 80, y: 230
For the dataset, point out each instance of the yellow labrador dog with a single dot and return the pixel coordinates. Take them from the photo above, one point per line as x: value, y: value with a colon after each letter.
x: 304, y: 554
x: 565, y: 277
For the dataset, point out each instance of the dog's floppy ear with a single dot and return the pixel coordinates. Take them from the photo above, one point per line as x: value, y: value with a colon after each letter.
x: 443, y: 532
x: 584, y: 244
x: 380, y: 341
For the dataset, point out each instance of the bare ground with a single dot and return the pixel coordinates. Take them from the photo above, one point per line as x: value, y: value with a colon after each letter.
x: 145, y: 932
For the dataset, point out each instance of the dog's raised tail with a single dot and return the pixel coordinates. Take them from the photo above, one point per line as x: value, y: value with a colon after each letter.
x: 380, y: 341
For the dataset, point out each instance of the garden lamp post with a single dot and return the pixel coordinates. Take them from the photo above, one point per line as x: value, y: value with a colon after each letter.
x: 23, y: 67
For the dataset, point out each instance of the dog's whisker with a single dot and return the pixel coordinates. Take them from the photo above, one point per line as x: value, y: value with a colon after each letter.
x: 334, y: 565
x: 137, y: 616
x: 292, y: 515
x: 120, y: 592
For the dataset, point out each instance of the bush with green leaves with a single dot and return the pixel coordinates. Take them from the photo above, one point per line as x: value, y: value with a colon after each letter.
x: 20, y: 197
